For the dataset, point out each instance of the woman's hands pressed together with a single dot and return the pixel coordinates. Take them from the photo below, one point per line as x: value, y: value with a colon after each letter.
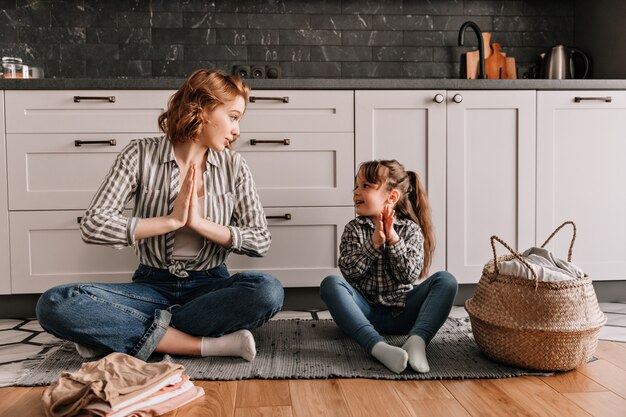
x: 182, y: 205
x: 186, y: 211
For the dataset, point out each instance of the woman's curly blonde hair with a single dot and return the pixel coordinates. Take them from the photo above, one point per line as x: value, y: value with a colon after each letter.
x: 203, y: 90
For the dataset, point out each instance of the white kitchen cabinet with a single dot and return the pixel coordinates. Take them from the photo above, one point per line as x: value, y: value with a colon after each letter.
x: 60, y: 145
x: 46, y: 250
x: 54, y: 172
x: 304, y: 182
x: 476, y: 158
x: 299, y: 111
x: 490, y: 176
x: 409, y: 126
x: 5, y: 270
x: 581, y: 172
x: 85, y: 111
x: 305, y: 245
x: 300, y: 169
x: 299, y: 146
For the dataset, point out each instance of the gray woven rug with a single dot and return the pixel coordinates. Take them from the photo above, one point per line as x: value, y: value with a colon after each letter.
x: 307, y: 349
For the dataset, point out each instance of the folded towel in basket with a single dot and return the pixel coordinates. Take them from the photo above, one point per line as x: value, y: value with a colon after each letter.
x: 546, y: 266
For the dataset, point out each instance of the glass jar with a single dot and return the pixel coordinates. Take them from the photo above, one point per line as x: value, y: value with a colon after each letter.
x: 13, y: 68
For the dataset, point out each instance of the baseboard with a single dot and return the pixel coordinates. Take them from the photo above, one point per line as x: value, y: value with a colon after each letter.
x: 23, y: 305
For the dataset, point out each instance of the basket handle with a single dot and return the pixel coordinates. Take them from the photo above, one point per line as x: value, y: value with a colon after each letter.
x: 514, y: 253
x: 571, y: 245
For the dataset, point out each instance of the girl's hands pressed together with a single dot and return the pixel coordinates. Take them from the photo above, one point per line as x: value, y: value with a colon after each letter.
x: 388, y: 215
x: 378, y: 238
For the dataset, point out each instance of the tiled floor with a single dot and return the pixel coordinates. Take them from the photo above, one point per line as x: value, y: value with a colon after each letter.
x: 21, y: 339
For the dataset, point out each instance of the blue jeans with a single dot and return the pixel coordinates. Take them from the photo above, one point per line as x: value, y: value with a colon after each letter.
x: 427, y: 308
x: 132, y: 318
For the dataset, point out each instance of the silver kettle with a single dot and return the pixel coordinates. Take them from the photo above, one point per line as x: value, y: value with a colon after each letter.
x: 558, y: 63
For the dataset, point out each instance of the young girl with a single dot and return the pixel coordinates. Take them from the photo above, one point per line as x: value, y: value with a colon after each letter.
x: 384, y: 251
x: 195, y: 202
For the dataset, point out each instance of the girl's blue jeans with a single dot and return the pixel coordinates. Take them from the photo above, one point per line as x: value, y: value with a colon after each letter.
x: 427, y: 308
x: 133, y: 317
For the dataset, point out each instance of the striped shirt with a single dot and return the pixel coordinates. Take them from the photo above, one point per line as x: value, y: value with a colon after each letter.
x: 384, y: 275
x: 146, y: 173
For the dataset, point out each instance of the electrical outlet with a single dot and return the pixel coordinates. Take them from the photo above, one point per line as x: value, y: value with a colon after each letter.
x: 258, y: 71
x: 272, y: 71
x: 242, y: 71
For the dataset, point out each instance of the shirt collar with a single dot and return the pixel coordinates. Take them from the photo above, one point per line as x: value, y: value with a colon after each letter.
x: 213, y: 158
x: 166, y: 151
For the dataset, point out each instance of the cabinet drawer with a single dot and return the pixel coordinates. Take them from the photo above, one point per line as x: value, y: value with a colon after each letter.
x: 47, y: 250
x: 299, y: 111
x: 51, y: 172
x: 300, y: 169
x: 305, y: 247
x: 88, y: 111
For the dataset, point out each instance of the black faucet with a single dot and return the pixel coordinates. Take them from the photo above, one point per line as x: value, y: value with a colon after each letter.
x: 481, y: 52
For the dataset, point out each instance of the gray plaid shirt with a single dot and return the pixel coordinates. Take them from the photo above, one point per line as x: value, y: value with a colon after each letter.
x: 384, y: 275
x: 146, y: 173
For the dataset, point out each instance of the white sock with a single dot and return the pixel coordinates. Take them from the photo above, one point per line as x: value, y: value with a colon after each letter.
x: 392, y: 357
x: 87, y: 352
x: 239, y: 343
x: 416, y: 348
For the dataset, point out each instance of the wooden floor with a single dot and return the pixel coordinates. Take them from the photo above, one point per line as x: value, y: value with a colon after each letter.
x: 596, y: 389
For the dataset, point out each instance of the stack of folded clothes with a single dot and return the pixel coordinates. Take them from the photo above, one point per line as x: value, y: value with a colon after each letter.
x: 119, y: 385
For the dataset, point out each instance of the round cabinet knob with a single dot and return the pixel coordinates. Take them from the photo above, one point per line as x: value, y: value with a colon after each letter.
x: 438, y: 98
x: 457, y: 98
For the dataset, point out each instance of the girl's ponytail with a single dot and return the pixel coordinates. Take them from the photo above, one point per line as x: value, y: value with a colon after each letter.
x: 421, y: 207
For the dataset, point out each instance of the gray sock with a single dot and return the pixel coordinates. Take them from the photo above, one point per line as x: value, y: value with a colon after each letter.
x: 392, y: 357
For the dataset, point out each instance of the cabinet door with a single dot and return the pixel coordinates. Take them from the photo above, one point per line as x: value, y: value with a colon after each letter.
x: 300, y: 169
x: 50, y: 172
x: 47, y: 250
x: 85, y: 111
x: 5, y: 271
x: 408, y: 126
x: 581, y: 172
x: 305, y: 245
x: 491, y: 176
x: 299, y: 111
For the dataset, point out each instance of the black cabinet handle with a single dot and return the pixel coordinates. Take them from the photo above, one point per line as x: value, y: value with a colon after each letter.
x: 79, y: 219
x: 254, y: 99
x: 110, y: 99
x: 255, y: 142
x: 606, y: 99
x: 286, y: 216
x: 110, y: 142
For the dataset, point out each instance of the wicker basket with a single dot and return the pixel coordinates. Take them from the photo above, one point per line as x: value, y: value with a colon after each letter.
x: 533, y: 324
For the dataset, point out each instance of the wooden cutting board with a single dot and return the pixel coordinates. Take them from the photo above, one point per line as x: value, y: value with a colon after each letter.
x: 472, y: 61
x: 495, y: 65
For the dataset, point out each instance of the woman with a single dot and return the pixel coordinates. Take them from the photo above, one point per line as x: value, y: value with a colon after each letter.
x: 194, y: 202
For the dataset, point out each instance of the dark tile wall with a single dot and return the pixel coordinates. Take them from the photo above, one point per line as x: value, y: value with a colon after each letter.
x: 305, y: 38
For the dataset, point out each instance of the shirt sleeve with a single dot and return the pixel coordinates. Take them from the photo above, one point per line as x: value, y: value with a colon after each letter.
x: 357, y: 254
x: 104, y: 221
x: 248, y: 229
x: 406, y: 257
